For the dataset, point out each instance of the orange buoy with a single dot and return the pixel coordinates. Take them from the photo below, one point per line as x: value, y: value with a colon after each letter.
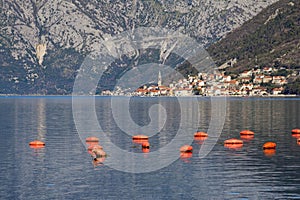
x: 140, y: 137
x: 298, y: 141
x: 269, y: 145
x: 200, y: 136
x: 269, y: 152
x: 233, y: 143
x: 246, y: 132
x: 296, y: 131
x: 36, y: 144
x: 186, y: 148
x: 145, y: 145
x: 92, y: 139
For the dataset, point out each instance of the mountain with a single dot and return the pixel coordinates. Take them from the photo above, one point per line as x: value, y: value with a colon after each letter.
x: 270, y: 39
x: 43, y: 43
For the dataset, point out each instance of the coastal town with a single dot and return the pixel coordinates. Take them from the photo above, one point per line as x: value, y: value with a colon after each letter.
x: 267, y: 81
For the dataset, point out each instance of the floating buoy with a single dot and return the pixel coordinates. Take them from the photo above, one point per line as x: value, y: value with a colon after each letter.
x: 36, y: 144
x: 247, y: 137
x: 246, y: 132
x: 145, y: 145
x: 298, y: 141
x: 233, y: 143
x: 186, y: 148
x: 269, y: 152
x: 269, y: 145
x: 140, y: 137
x: 92, y: 139
x: 200, y: 136
x: 296, y: 131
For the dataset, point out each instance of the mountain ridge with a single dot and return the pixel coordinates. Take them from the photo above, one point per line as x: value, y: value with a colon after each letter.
x: 69, y: 30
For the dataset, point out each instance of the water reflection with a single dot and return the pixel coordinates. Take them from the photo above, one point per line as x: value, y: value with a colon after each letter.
x: 269, y: 152
x: 41, y: 120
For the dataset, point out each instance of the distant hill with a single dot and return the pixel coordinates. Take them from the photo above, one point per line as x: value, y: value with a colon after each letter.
x: 272, y: 38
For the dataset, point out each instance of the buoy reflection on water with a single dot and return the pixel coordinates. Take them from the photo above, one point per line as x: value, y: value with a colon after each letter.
x: 247, y: 137
x: 269, y: 152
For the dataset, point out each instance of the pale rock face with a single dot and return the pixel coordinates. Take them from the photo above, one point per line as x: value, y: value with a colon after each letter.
x: 40, y: 52
x: 83, y: 24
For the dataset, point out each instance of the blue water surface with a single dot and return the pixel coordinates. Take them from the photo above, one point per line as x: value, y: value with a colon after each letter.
x: 65, y: 170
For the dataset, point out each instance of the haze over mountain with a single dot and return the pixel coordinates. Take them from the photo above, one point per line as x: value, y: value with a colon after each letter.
x: 42, y: 43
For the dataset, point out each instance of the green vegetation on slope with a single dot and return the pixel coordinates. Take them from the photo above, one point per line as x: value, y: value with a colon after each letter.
x: 272, y: 38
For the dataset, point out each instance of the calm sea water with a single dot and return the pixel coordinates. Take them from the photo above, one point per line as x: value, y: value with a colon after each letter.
x: 64, y: 169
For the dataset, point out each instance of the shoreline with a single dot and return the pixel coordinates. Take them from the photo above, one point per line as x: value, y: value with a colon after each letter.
x: 229, y: 96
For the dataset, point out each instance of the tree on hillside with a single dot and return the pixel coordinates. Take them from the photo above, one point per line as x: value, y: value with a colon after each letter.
x: 293, y: 88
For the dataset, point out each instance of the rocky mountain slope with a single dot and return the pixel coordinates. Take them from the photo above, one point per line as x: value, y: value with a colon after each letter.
x: 42, y: 43
x: 272, y: 38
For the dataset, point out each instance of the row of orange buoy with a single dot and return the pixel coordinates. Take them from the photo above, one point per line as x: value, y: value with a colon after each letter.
x: 95, y: 150
x: 186, y: 151
x: 99, y: 154
x: 268, y: 147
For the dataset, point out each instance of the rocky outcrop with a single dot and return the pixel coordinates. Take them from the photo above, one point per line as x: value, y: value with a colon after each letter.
x: 40, y: 52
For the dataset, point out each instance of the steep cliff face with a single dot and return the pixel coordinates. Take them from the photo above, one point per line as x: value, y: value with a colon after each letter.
x: 40, y: 52
x: 72, y: 28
